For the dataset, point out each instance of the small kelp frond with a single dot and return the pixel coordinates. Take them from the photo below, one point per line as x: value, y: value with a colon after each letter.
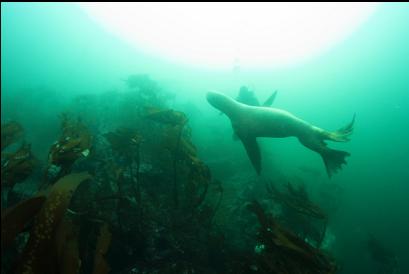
x: 284, y: 252
x: 103, y: 243
x: 124, y: 140
x: 39, y: 255
x: 165, y: 116
x: 174, y: 139
x: 14, y: 219
x: 296, y: 199
x: 75, y: 142
x: 17, y: 166
x: 11, y: 132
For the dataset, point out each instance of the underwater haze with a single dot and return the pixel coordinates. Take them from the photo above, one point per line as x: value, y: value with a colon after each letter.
x: 167, y: 180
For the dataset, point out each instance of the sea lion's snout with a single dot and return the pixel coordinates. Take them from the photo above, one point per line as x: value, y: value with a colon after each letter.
x: 210, y: 96
x: 213, y: 98
x: 221, y: 102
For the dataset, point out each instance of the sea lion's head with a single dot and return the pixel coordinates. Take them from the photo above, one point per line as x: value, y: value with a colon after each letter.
x: 220, y: 101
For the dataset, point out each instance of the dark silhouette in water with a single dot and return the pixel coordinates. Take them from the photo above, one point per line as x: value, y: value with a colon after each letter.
x: 385, y: 257
x: 250, y: 122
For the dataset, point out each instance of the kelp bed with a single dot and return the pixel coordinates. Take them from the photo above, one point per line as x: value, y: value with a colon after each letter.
x: 134, y: 197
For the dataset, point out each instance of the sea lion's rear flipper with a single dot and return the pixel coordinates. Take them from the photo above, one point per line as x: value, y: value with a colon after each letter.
x: 270, y: 99
x: 342, y: 134
x: 333, y: 160
x: 253, y: 151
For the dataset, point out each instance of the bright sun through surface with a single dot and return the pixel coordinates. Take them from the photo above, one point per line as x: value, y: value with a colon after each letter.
x: 225, y: 35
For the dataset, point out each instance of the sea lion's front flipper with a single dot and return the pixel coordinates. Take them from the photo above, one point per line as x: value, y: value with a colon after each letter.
x: 270, y: 99
x: 253, y: 151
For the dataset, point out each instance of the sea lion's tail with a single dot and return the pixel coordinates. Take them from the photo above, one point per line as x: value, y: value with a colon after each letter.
x: 333, y: 159
x: 342, y: 134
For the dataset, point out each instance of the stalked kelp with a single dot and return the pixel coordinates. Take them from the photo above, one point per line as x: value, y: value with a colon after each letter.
x: 166, y: 116
x: 17, y: 166
x: 75, y: 142
x: 124, y: 141
x: 151, y: 205
x: 104, y: 240
x: 17, y: 163
x: 280, y: 251
x: 297, y: 199
x: 176, y: 140
x: 300, y: 214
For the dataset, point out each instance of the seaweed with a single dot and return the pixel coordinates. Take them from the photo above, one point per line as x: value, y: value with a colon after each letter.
x: 151, y: 207
x: 124, y: 141
x: 297, y: 199
x: 11, y: 132
x: 17, y: 166
x: 15, y: 219
x: 300, y: 214
x: 39, y: 255
x: 75, y: 142
x: 126, y: 144
x: 166, y: 116
x: 67, y: 251
x: 147, y: 90
x: 103, y: 242
x: 176, y: 140
x: 283, y: 252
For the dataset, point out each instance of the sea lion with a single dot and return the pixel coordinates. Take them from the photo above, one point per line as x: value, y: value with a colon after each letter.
x: 250, y: 122
x: 247, y: 97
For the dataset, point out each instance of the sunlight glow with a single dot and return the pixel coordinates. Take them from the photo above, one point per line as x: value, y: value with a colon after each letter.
x: 224, y: 35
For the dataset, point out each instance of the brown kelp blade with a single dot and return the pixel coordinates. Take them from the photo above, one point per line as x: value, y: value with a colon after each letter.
x: 124, y: 140
x: 66, y: 241
x: 284, y: 251
x: 40, y: 254
x: 14, y: 219
x: 104, y: 240
x: 166, y: 116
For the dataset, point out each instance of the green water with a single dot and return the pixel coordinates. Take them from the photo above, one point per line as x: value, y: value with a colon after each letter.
x: 52, y: 53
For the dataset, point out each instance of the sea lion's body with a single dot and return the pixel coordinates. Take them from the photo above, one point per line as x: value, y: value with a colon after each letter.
x: 268, y: 122
x: 250, y: 122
